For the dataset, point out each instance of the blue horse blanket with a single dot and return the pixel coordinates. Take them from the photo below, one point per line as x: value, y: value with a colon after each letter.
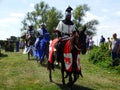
x: 42, y: 47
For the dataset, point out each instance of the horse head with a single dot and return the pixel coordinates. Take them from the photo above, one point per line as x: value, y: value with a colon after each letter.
x: 82, y: 40
x: 79, y: 41
x: 30, y: 39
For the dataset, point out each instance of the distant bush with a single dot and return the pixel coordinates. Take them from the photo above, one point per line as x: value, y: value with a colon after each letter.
x: 102, y: 56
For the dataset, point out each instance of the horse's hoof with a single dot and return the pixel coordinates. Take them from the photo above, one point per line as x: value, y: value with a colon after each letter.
x: 69, y: 84
x: 66, y: 76
x: 51, y: 80
x: 41, y: 62
x: 63, y: 82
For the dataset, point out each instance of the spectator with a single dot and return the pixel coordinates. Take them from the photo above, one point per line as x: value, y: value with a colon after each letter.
x: 17, y: 46
x: 91, y: 43
x: 102, y: 40
x: 115, y: 49
x: 11, y: 47
x: 109, y: 42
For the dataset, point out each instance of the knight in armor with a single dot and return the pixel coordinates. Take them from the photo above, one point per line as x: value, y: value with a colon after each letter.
x: 30, y: 34
x: 42, y: 31
x: 65, y: 30
x: 42, y: 42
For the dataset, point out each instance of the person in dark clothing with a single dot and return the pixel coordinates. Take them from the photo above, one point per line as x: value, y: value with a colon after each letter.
x: 115, y: 50
x: 102, y: 40
x: 17, y: 46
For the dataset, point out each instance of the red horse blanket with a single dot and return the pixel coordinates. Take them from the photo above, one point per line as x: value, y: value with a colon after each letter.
x: 52, y: 49
x: 68, y: 59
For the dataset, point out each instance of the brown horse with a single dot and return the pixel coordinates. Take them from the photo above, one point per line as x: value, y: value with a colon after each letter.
x: 70, y: 58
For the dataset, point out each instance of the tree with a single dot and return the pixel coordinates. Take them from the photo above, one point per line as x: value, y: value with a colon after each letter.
x: 13, y: 38
x: 78, y: 14
x: 91, y: 29
x: 24, y: 23
x: 53, y: 18
x: 42, y: 14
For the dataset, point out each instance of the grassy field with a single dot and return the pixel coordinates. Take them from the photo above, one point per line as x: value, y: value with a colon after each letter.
x: 18, y: 73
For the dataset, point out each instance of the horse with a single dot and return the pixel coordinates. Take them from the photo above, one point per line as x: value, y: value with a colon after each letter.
x: 42, y: 47
x: 29, y: 44
x: 70, y: 58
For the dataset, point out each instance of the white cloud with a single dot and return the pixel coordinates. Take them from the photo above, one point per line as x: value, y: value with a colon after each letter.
x: 14, y: 18
x: 24, y: 1
x: 17, y: 14
x: 117, y: 13
x: 89, y: 16
x: 9, y: 20
x: 32, y: 5
x: 105, y: 10
x: 9, y: 27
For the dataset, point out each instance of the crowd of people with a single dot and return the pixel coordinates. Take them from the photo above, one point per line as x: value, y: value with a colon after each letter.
x: 113, y: 46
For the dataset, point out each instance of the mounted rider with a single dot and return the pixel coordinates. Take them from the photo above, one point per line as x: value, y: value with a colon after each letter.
x: 65, y: 30
x: 42, y: 31
x: 30, y: 35
x: 42, y: 42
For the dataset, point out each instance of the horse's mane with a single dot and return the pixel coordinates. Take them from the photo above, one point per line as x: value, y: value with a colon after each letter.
x: 82, y: 40
x: 79, y: 41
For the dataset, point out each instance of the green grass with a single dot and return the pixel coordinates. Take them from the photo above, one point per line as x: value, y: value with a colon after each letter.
x: 18, y: 73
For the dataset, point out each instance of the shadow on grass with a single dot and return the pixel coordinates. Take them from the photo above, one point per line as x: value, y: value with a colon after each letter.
x: 65, y: 87
x: 3, y: 55
x: 75, y: 87
x: 46, y: 65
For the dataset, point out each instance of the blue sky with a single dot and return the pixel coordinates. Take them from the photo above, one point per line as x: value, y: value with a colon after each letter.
x: 107, y: 12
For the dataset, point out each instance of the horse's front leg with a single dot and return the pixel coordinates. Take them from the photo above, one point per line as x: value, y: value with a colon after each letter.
x: 62, y: 72
x: 70, y: 83
x: 50, y: 71
x: 28, y: 56
x: 50, y: 75
x: 76, y: 76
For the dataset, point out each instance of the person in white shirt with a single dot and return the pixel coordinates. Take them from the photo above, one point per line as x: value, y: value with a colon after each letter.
x: 115, y: 49
x: 65, y: 29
